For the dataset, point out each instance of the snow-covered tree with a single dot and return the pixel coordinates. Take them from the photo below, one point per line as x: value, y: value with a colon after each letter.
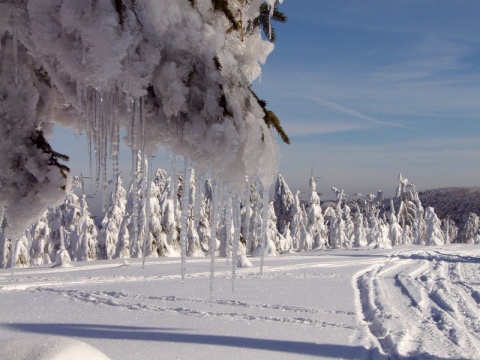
x: 193, y: 239
x: 407, y: 202
x: 419, y: 225
x: 315, y: 222
x: 40, y: 233
x: 298, y: 231
x: 121, y: 64
x: 433, y: 232
x: 275, y: 242
x: 349, y: 224
x: 5, y: 242
x: 359, y: 233
x: 395, y: 230
x: 85, y: 248
x: 256, y: 220
x: 123, y: 246
x: 283, y: 201
x: 378, y: 236
x: 204, y: 223
x: 71, y: 212
x: 111, y: 223
x: 450, y: 230
x: 21, y: 251
x: 469, y: 232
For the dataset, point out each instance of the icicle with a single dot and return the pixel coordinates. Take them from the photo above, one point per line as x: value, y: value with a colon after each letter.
x: 146, y: 239
x: 236, y: 237
x: 62, y: 238
x: 213, y: 236
x: 97, y: 137
x: 247, y: 212
x: 199, y: 185
x: 134, y: 177
x: 84, y: 57
x: 228, y: 224
x: 15, y: 51
x: 184, y: 218
x: 79, y: 90
x: 142, y: 121
x: 90, y: 131
x: 264, y: 227
x: 174, y: 183
x: 115, y: 141
x: 104, y: 145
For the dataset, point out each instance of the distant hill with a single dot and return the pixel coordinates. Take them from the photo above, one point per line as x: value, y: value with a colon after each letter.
x: 454, y: 202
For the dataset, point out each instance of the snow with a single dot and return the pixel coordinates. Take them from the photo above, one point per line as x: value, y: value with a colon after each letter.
x: 406, y: 302
x: 48, y: 348
x: 170, y: 74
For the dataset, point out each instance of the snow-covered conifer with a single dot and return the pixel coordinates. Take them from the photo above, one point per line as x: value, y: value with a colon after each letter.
x: 298, y: 222
x: 204, y: 224
x: 378, y: 236
x: 40, y: 234
x: 5, y: 242
x: 469, y: 230
x: 395, y: 230
x: 108, y: 238
x: 275, y: 242
x: 359, y: 233
x: 433, y: 232
x: 315, y: 222
x: 85, y: 248
x: 349, y: 224
x: 450, y: 230
x: 21, y: 251
x: 419, y: 225
x: 119, y: 65
x: 283, y: 200
x: 407, y: 202
x: 71, y: 212
x: 123, y: 246
x: 193, y: 239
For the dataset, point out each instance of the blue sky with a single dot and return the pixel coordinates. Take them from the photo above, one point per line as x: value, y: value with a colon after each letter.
x: 369, y: 89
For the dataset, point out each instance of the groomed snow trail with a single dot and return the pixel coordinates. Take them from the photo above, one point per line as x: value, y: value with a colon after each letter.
x: 423, y: 304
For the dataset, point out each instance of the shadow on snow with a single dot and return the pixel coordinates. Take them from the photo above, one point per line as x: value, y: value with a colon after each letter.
x: 99, y: 331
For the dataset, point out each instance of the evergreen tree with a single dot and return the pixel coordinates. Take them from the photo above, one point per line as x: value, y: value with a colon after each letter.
x: 450, y: 230
x: 111, y: 223
x: 275, y: 243
x: 85, y: 248
x: 204, y: 224
x: 349, y: 225
x: 21, y: 251
x: 469, y: 231
x: 5, y: 242
x: 359, y: 233
x: 283, y: 201
x: 395, y: 230
x: 71, y: 212
x: 40, y: 233
x: 407, y: 202
x: 315, y: 222
x: 297, y: 225
x: 433, y: 232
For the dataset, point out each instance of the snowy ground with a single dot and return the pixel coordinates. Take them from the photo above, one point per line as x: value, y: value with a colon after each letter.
x: 408, y: 302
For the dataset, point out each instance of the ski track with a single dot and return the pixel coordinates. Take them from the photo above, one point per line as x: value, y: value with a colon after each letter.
x: 149, y: 303
x: 422, y: 305
x: 234, y: 310
x: 14, y: 283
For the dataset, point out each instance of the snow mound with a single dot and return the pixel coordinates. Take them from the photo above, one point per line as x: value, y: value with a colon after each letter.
x: 48, y: 348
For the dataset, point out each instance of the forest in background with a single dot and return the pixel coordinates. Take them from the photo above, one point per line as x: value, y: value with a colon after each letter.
x: 133, y: 226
